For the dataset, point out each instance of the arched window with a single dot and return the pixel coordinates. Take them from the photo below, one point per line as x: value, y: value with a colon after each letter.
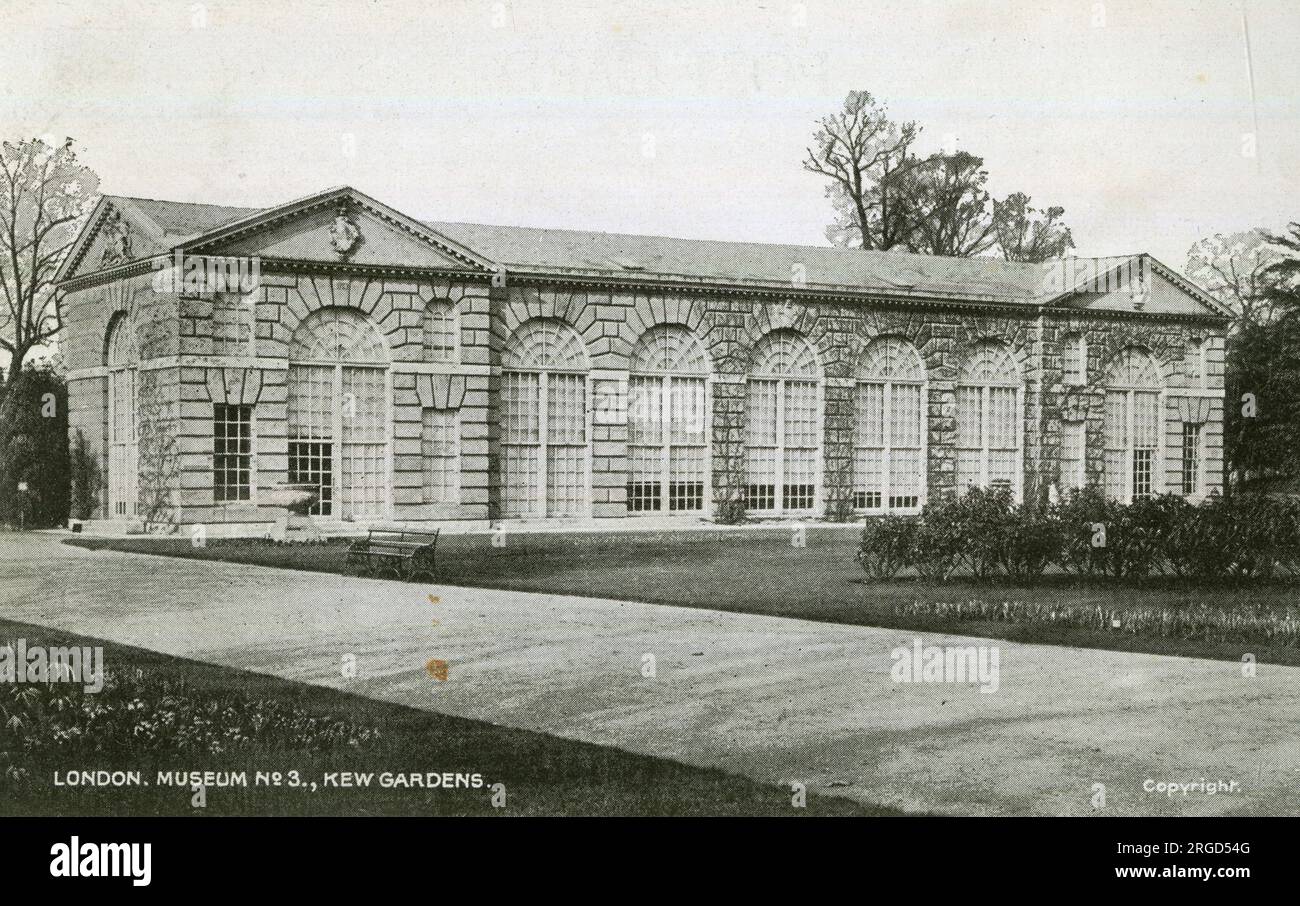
x: 338, y: 400
x: 1133, y: 426
x: 782, y: 436
x: 122, y: 360
x: 989, y: 423
x: 544, y: 421
x: 440, y: 334
x: 667, y: 422
x: 889, y: 434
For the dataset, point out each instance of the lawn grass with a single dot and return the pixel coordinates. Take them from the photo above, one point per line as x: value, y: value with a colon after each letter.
x: 763, y: 571
x: 161, y: 713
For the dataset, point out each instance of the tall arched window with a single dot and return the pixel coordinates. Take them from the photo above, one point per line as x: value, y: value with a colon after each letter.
x: 338, y: 403
x: 1133, y: 426
x: 782, y: 430
x: 544, y: 421
x: 667, y: 422
x: 889, y: 435
x: 440, y: 334
x: 123, y: 451
x: 989, y: 424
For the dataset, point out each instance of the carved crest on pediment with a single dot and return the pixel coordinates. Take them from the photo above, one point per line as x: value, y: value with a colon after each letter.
x: 117, y: 240
x: 345, y: 235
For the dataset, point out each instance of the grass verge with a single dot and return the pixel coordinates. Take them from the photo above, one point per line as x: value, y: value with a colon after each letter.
x: 765, y: 572
x: 158, y: 713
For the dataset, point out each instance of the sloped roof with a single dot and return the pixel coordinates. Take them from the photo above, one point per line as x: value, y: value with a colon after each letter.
x: 179, y: 220
x: 577, y: 251
x: 628, y: 256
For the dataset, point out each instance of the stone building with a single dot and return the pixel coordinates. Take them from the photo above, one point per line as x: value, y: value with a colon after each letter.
x: 412, y: 371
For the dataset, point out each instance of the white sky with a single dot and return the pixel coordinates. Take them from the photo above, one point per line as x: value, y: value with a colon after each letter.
x: 678, y: 119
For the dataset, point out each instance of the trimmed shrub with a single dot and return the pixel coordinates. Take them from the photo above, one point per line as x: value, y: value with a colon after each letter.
x: 983, y: 517
x: 1030, y: 540
x: 887, y: 545
x: 937, y: 543
x: 1078, y: 515
x: 1244, y: 536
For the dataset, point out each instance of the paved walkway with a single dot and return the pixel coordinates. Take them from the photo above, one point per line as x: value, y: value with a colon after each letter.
x: 771, y: 698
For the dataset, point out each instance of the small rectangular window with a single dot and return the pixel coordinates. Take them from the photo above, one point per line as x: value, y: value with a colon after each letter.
x: 1076, y: 361
x: 232, y: 449
x: 1194, y: 362
x: 439, y: 332
x: 1142, y: 473
x: 1191, y: 459
x: 441, y: 447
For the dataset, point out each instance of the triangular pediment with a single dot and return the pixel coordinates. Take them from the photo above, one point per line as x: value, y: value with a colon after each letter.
x: 115, y: 233
x: 1139, y: 284
x: 334, y: 227
x: 337, y: 226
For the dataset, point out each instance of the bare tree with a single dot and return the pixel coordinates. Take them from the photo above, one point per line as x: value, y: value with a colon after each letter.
x: 950, y: 206
x: 864, y: 154
x: 1026, y: 233
x: 45, y: 194
x: 1240, y: 269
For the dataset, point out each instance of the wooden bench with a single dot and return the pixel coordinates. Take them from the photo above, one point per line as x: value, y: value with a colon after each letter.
x: 406, y: 553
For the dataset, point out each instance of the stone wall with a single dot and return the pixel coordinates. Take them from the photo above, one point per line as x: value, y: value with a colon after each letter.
x: 192, y: 365
x: 611, y: 322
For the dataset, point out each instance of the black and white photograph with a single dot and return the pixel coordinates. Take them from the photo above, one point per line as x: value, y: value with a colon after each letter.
x: 448, y: 410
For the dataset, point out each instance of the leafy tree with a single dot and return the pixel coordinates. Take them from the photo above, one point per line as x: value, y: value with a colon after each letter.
x: 45, y: 195
x: 949, y: 206
x: 1026, y: 233
x: 1262, y: 433
x: 1282, y: 275
x: 34, y: 450
x: 864, y: 154
x: 887, y: 197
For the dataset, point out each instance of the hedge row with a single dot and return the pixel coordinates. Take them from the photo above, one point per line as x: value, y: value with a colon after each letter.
x: 988, y: 534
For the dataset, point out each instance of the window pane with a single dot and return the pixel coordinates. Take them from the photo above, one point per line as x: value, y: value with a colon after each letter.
x: 760, y: 469
x: 1072, y: 455
x: 311, y: 402
x: 645, y: 410
x: 645, y: 479
x: 439, y: 332
x: 231, y: 452
x: 566, y: 409
x: 1116, y: 419
x: 1146, y: 420
x: 799, y: 479
x: 522, y: 485
x: 686, y: 410
x: 760, y: 423
x: 868, y: 478
x: 905, y: 415
x: 566, y: 480
x: 1141, y: 473
x: 686, y: 467
x: 969, y: 417
x: 906, y: 471
x: 1004, y: 425
x: 800, y: 414
x: 871, y: 415
x: 441, y: 447
x: 1191, y: 459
